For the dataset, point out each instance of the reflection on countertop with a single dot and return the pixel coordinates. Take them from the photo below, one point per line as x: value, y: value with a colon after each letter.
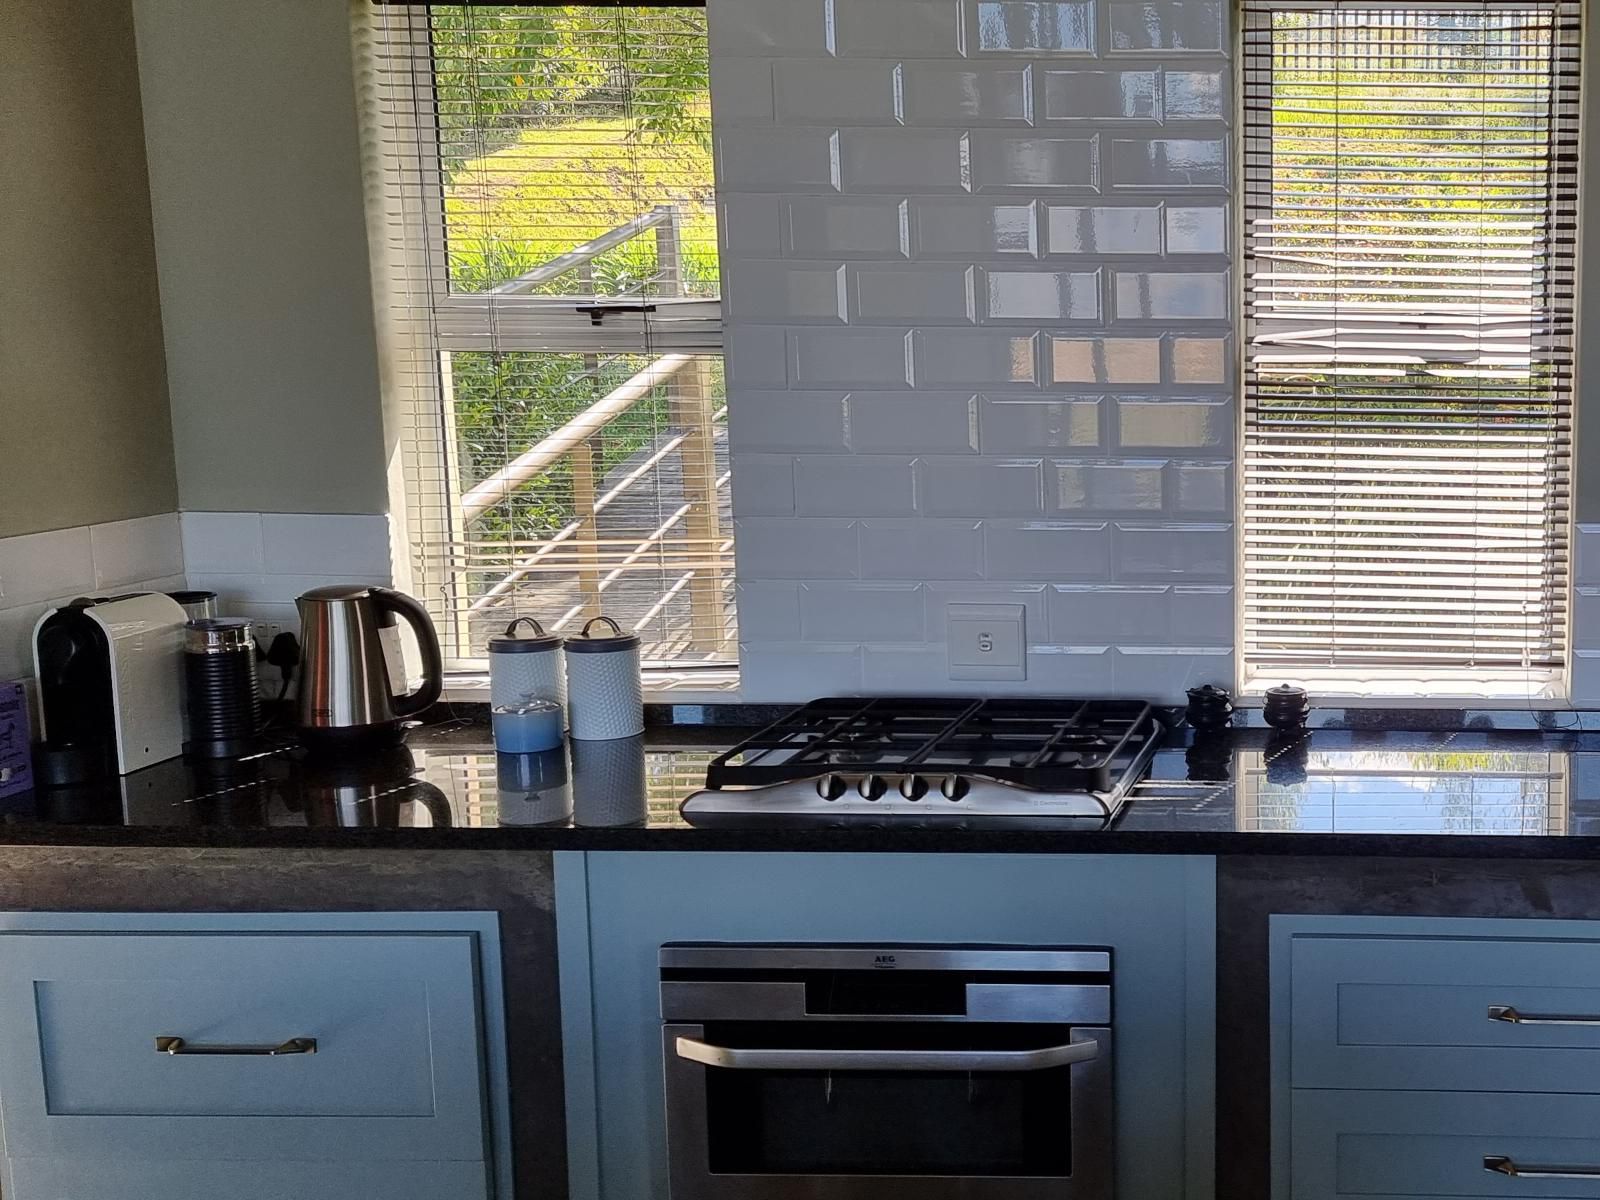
x: 1339, y: 791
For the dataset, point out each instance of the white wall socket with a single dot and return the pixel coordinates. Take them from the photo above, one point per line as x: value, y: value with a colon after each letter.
x: 986, y: 641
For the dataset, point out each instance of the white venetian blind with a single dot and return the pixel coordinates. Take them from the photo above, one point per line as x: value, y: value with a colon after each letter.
x: 545, y: 205
x: 1410, y: 187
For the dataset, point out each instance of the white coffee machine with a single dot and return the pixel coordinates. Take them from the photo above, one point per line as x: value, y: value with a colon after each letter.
x: 111, y: 681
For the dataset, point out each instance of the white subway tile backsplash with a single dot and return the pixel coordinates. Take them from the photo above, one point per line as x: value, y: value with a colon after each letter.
x: 1173, y: 552
x: 1202, y: 616
x: 1171, y: 163
x: 1001, y: 487
x: 898, y: 28
x: 826, y: 358
x: 1119, y: 361
x: 768, y: 611
x: 905, y: 160
x: 912, y: 294
x: 1015, y: 426
x: 763, y: 422
x: 835, y: 227
x: 817, y: 92
x: 325, y: 544
x: 39, y: 567
x: 797, y: 671
x: 1202, y: 489
x: 778, y: 27
x: 1172, y: 295
x: 1200, y: 360
x: 921, y: 548
x: 1004, y: 160
x: 16, y: 640
x: 1166, y: 25
x: 1043, y: 295
x: 785, y: 548
x: 1102, y: 95
x: 1047, y: 549
x: 1107, y: 614
x: 861, y: 612
x: 226, y: 542
x: 754, y: 159
x: 1197, y: 230
x: 799, y: 292
x: 1075, y: 229
x: 940, y: 594
x: 1159, y: 424
x: 1163, y: 674
x: 744, y: 89
x: 129, y: 552
x: 1034, y: 26
x: 1195, y: 95
x: 970, y: 229
x: 947, y: 358
x: 1121, y: 485
x: 755, y: 358
x: 885, y: 422
x: 763, y: 486
x: 854, y: 485
x: 954, y: 94
x: 750, y: 225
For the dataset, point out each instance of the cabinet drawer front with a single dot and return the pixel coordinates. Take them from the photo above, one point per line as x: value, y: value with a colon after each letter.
x: 1414, y: 1012
x: 90, y: 1179
x: 1401, y: 1144
x: 393, y: 1018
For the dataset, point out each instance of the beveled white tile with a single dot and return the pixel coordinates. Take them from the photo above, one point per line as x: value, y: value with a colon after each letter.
x: 898, y: 28
x: 1019, y: 425
x: 1172, y: 163
x: 325, y: 544
x: 1202, y: 489
x: 786, y: 422
x: 1047, y: 549
x: 979, y: 487
x: 768, y: 611
x: 1583, y: 686
x: 36, y: 567
x: 820, y: 92
x: 990, y: 359
x: 741, y: 90
x: 224, y: 542
x: 1043, y: 295
x: 958, y: 94
x: 1122, y: 485
x: 1202, y: 616
x: 907, y: 669
x: 16, y: 640
x: 1195, y: 95
x: 889, y: 422
x: 1200, y: 360
x: 1075, y: 229
x: 921, y: 548
x: 911, y: 294
x: 1197, y: 230
x: 750, y: 224
x: 763, y: 485
x: 1102, y: 95
x: 790, y: 548
x: 769, y: 26
x: 1110, y: 613
x: 939, y: 595
x: 828, y: 485
x: 1161, y: 424
x: 1118, y: 361
x: 758, y: 159
x: 839, y: 227
x: 794, y: 672
x: 1004, y: 160
x: 1175, y: 552
x: 1163, y: 674
x: 826, y: 358
x: 966, y: 228
x: 1171, y: 295
x: 1587, y: 557
x: 784, y: 291
x: 857, y: 612
x: 905, y: 160
x: 1034, y: 26
x: 126, y: 552
x: 1143, y: 25
x: 754, y: 356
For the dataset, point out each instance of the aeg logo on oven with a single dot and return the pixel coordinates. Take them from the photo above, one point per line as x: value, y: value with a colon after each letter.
x: 884, y: 962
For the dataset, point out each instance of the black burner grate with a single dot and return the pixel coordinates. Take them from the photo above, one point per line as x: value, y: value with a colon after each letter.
x: 1047, y: 745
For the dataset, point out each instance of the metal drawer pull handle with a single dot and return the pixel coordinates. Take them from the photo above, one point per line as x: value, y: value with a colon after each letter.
x: 1502, y: 1165
x: 176, y: 1045
x: 740, y: 1059
x: 1504, y: 1012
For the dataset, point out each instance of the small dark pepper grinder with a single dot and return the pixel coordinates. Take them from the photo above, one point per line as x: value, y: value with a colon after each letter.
x: 1285, y: 707
x: 1209, y: 707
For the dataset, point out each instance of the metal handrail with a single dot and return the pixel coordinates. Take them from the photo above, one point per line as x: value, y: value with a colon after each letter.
x: 580, y: 255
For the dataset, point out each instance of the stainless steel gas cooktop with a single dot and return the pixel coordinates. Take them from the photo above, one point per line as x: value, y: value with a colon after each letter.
x: 937, y: 761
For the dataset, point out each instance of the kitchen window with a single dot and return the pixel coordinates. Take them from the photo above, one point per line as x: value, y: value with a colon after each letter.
x: 1410, y: 189
x: 549, y: 305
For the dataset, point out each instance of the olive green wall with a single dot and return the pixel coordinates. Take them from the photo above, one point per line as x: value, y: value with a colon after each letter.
x: 85, y: 433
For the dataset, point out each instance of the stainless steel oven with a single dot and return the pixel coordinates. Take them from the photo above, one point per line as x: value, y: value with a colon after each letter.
x: 842, y: 1072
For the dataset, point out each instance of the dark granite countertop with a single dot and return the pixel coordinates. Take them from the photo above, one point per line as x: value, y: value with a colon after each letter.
x: 1531, y: 792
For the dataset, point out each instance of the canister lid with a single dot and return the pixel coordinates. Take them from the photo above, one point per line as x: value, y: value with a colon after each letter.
x: 524, y: 707
x: 602, y: 643
x: 513, y: 642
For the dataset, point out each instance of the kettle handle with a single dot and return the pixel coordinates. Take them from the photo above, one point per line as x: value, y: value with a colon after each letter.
x: 414, y: 615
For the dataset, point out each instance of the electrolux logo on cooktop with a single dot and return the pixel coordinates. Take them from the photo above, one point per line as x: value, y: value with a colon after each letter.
x: 883, y: 961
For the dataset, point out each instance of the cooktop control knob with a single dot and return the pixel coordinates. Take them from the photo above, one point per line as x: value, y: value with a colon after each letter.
x: 913, y: 787
x: 830, y: 787
x: 872, y: 787
x: 953, y: 788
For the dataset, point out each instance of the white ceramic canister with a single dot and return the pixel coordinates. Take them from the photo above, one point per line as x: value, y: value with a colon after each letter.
x: 605, y: 696
x: 526, y: 666
x: 610, y: 783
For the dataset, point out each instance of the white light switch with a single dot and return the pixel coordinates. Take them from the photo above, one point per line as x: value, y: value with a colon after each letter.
x: 986, y: 641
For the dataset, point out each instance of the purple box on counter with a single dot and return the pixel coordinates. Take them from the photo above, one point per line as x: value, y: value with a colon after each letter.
x: 16, y: 750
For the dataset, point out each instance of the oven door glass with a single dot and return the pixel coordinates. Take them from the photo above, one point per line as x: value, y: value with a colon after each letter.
x: 766, y: 1121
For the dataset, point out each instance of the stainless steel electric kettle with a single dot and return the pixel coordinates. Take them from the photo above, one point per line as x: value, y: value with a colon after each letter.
x: 345, y: 694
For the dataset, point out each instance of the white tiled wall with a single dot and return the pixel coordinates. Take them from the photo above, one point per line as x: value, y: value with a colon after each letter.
x: 39, y: 571
x: 1585, y: 681
x: 977, y: 282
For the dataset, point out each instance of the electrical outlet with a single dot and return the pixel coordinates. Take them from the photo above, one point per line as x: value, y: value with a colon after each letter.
x: 986, y: 641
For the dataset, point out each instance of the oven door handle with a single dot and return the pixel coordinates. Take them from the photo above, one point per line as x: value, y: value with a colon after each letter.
x: 738, y: 1058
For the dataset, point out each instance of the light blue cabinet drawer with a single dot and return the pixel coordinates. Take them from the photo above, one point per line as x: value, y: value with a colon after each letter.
x: 101, y: 1179
x: 397, y: 1072
x: 1394, y: 1145
x: 1415, y: 1013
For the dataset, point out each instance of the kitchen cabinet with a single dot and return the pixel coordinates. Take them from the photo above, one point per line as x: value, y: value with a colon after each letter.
x: 1157, y: 914
x: 309, y: 1055
x: 1434, y: 1057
